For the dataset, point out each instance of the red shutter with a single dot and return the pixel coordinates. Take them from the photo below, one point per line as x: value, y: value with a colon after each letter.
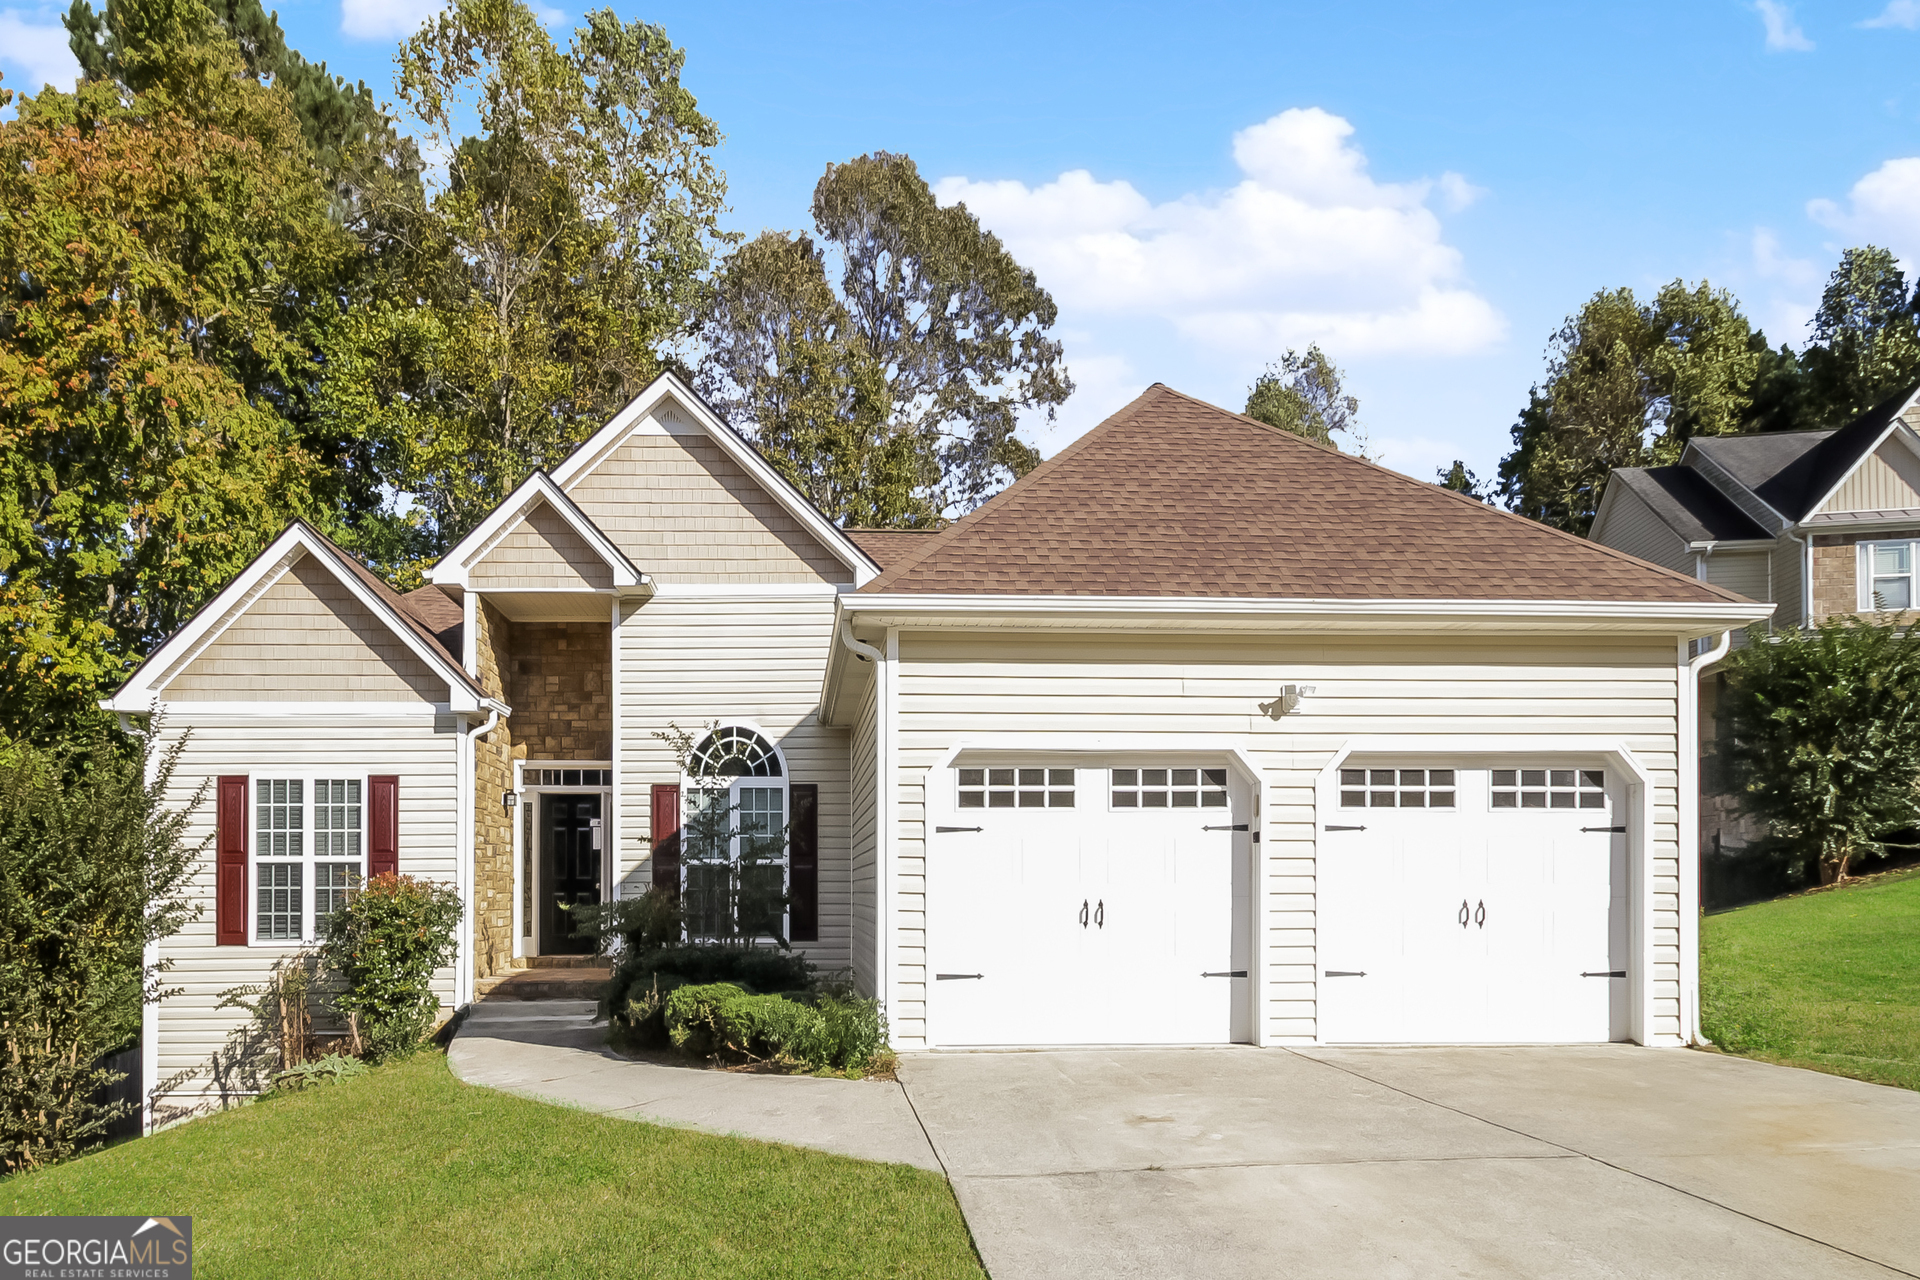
x: 383, y: 826
x: 666, y: 837
x: 803, y: 863
x: 230, y: 864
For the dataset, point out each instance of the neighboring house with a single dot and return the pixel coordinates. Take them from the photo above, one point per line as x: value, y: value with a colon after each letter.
x: 1819, y: 523
x: 1199, y: 733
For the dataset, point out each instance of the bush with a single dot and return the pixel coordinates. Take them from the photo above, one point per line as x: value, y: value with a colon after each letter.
x: 693, y: 1016
x: 639, y: 971
x: 630, y: 926
x: 93, y: 869
x: 831, y: 1033
x: 331, y: 1069
x: 384, y: 945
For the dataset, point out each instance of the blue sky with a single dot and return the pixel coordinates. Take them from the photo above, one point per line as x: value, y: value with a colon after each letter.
x: 1426, y: 190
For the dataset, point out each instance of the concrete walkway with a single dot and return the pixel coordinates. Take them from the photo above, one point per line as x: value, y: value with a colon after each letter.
x: 1577, y: 1162
x: 551, y: 1050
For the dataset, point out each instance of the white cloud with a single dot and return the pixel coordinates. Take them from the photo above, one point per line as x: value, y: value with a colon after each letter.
x: 1898, y: 13
x: 1308, y: 247
x: 1883, y: 208
x: 1783, y: 33
x: 393, y: 19
x: 1785, y: 291
x: 1456, y: 193
x: 36, y: 45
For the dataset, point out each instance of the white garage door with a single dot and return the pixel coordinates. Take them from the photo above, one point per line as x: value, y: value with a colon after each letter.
x: 1473, y: 905
x: 1088, y: 905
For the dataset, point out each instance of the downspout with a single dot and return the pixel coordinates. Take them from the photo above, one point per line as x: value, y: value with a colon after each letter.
x: 467, y: 798
x: 883, y: 815
x: 1806, y: 577
x: 1689, y: 815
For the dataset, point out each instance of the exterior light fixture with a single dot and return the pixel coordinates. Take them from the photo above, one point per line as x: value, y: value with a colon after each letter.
x: 508, y: 799
x: 1290, y: 695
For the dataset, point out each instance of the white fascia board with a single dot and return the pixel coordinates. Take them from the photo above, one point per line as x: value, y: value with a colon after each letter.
x: 668, y: 387
x: 1895, y: 425
x: 456, y: 566
x: 138, y: 694
x: 1180, y: 610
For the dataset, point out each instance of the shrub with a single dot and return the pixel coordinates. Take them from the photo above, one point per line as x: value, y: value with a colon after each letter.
x: 830, y: 1033
x: 852, y: 1032
x: 93, y: 869
x: 331, y: 1069
x: 693, y: 1016
x: 384, y: 945
x: 631, y: 926
x: 758, y: 968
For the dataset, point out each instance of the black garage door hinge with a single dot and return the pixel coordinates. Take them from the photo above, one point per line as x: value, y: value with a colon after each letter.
x: 1226, y: 973
x: 1346, y: 973
x: 1616, y: 830
x: 1333, y: 828
x: 943, y: 830
x: 955, y: 977
x: 1238, y: 826
x: 1608, y: 973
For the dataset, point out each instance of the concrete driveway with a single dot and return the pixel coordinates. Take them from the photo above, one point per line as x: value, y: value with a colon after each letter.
x: 1609, y: 1161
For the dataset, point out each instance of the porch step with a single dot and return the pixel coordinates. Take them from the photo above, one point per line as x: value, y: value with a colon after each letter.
x: 569, y: 983
x: 561, y: 962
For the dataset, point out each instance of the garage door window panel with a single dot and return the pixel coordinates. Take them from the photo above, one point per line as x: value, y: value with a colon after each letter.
x: 1016, y: 787
x: 1397, y: 788
x: 1168, y: 788
x: 1549, y: 788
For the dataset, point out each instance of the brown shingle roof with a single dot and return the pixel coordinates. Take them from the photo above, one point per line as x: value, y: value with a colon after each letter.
x: 1175, y: 497
x: 888, y: 547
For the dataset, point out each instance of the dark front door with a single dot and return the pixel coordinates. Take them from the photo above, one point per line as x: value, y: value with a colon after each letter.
x: 569, y: 869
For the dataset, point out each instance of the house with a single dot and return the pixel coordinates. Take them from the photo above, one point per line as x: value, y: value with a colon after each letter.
x: 1819, y: 523
x: 1199, y: 733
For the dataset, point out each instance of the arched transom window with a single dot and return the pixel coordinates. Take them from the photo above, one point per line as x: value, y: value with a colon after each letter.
x: 734, y: 751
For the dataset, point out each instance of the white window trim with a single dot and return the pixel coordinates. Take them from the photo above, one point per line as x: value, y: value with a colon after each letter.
x: 526, y: 940
x: 1864, y: 575
x: 308, y: 933
x: 689, y: 784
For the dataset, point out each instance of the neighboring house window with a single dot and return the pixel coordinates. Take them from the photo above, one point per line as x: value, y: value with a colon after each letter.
x: 1886, y: 575
x: 309, y: 853
x: 734, y: 841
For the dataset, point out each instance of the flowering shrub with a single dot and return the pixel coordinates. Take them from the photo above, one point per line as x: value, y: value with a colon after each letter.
x: 384, y: 946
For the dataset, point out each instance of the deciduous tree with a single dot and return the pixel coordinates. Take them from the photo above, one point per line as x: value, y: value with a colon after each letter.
x: 1303, y: 393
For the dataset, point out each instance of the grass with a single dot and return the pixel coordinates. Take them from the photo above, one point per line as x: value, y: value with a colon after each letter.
x: 1827, y: 980
x: 408, y: 1172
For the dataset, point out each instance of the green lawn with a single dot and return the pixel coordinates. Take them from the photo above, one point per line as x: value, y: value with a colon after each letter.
x: 1826, y: 980
x: 408, y: 1172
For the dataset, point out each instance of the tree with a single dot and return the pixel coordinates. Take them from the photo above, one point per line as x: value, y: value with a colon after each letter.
x: 1866, y: 345
x: 527, y: 295
x: 1825, y: 737
x: 820, y: 409
x: 956, y: 328
x: 161, y: 254
x: 1628, y: 384
x: 1303, y: 394
x: 1462, y: 480
x: 94, y: 869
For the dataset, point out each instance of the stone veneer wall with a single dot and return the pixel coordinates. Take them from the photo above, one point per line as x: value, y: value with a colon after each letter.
x: 558, y: 686
x: 493, y: 757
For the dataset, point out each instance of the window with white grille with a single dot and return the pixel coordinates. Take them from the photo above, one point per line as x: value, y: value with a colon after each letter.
x: 1016, y: 787
x: 309, y: 851
x: 1549, y: 789
x: 1397, y: 789
x: 1169, y: 788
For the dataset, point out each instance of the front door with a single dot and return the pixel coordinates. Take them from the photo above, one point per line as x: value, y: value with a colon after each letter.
x: 569, y: 869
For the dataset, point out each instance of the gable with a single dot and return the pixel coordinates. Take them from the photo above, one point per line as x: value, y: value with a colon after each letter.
x: 1887, y: 480
x: 679, y: 507
x: 305, y: 638
x: 541, y: 553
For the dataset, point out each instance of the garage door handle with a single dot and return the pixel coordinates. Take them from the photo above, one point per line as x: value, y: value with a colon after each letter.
x: 944, y: 830
x: 1480, y: 916
x: 956, y: 977
x: 1238, y: 826
x: 1615, y: 830
x: 1610, y: 973
x: 1346, y: 973
x: 1083, y: 913
x: 1226, y: 973
x: 1346, y: 828
x: 1100, y: 915
x: 1465, y: 914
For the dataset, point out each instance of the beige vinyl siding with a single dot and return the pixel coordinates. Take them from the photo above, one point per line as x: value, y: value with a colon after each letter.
x: 684, y: 512
x: 864, y: 833
x: 193, y: 1030
x: 1745, y: 572
x: 1788, y: 572
x: 1888, y: 480
x: 692, y: 662
x: 542, y: 553
x: 1633, y: 527
x: 306, y: 638
x: 1193, y: 688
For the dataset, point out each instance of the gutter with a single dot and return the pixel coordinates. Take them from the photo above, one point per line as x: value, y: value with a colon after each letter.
x: 1689, y: 815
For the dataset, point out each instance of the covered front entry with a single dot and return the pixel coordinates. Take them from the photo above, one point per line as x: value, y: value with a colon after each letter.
x: 1473, y: 903
x: 570, y: 839
x: 1088, y: 903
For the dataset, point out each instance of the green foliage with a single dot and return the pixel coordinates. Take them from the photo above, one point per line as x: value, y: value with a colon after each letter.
x: 93, y: 869
x: 1460, y: 479
x: 735, y: 873
x: 644, y: 977
x: 162, y: 252
x: 631, y: 926
x: 1628, y: 384
x: 693, y: 1016
x: 524, y: 298
x: 833, y: 1034
x: 331, y: 1069
x: 1825, y: 727
x: 928, y: 302
x: 1866, y: 346
x: 1303, y: 394
x: 384, y: 945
